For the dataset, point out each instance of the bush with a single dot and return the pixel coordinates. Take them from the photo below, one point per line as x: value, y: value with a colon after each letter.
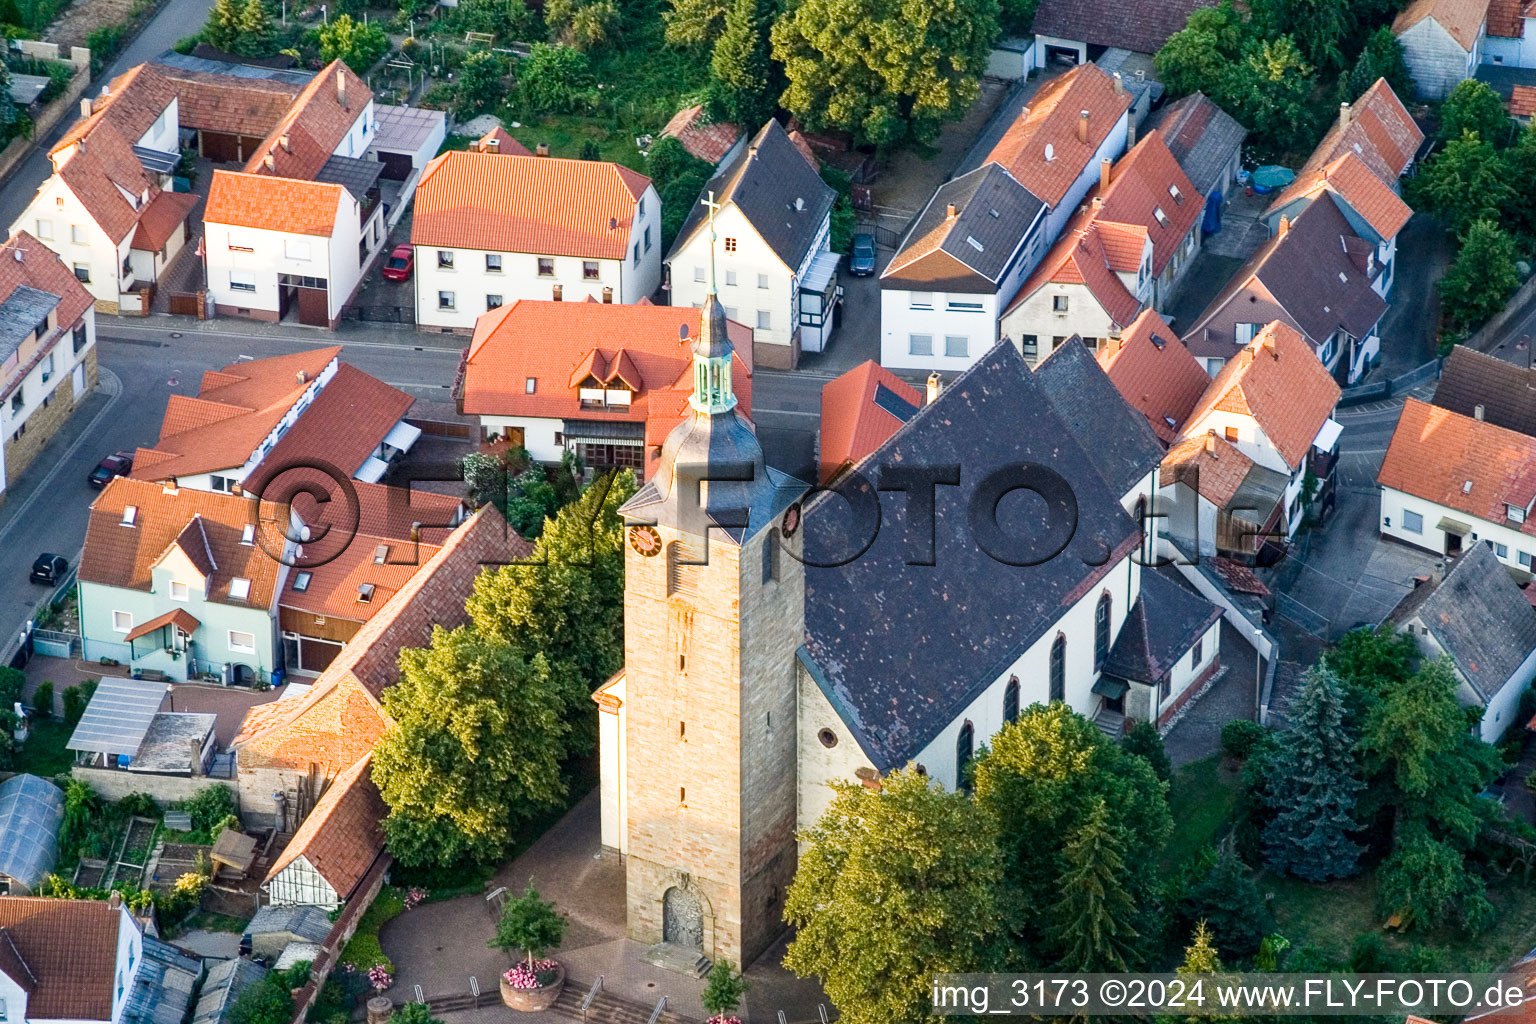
x: 185, y: 895
x: 10, y: 685
x: 554, y: 79
x: 42, y: 699
x: 1238, y: 738
x: 74, y: 706
x: 186, y: 44
x: 1145, y: 741
x: 481, y: 83
x: 209, y: 809
x: 415, y: 1013
x: 104, y: 43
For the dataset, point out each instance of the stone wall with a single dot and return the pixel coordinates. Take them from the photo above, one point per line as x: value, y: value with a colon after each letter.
x: 46, y: 420
x: 114, y: 784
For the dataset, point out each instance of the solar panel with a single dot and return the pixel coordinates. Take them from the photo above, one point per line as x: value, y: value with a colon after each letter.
x: 118, y: 716
x: 893, y: 403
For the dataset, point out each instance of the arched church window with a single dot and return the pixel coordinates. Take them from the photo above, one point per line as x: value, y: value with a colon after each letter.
x: 965, y: 749
x: 1059, y: 668
x: 1101, y: 632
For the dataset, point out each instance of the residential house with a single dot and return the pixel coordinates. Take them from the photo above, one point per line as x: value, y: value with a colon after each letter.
x: 605, y: 382
x: 47, y: 350
x: 860, y: 410
x: 1450, y: 480
x: 714, y: 142
x: 772, y: 259
x: 88, y: 962
x: 228, y: 112
x: 1486, y: 387
x: 335, y: 847
x: 1155, y: 373
x: 251, y: 422
x: 1369, y: 205
x: 294, y: 230
x: 1056, y: 147
x: 31, y: 812
x: 1476, y: 615
x: 1441, y: 41
x: 1065, y: 30
x: 1208, y: 144
x: 491, y: 228
x: 108, y: 210
x: 963, y: 257
x: 1510, y: 39
x: 1316, y: 276
x: 1236, y: 482
x: 127, y: 727
x: 1126, y: 251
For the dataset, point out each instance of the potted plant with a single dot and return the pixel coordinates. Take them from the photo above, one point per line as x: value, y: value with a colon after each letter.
x: 723, y: 992
x: 530, y: 924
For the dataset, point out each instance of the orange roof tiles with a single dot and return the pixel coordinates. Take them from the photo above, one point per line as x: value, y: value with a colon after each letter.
x: 226, y: 104
x: 1504, y: 19
x: 344, y: 834
x: 707, y: 140
x: 1146, y: 180
x: 331, y: 729
x: 1082, y: 256
x: 314, y: 125
x: 70, y: 949
x: 856, y: 419
x: 178, y: 617
x: 527, y: 204
x: 1278, y: 380
x: 1352, y: 181
x: 1522, y: 101
x: 161, y: 219
x: 1378, y: 130
x: 275, y: 204
x: 1051, y: 120
x: 1462, y: 19
x: 26, y: 261
x: 1209, y: 464
x: 1460, y: 462
x: 499, y: 141
x: 1155, y: 373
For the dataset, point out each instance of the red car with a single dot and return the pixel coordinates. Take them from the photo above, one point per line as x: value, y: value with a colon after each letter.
x: 398, y: 267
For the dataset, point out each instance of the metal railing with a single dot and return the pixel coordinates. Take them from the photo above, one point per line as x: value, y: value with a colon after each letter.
x: 661, y: 1005
x: 586, y: 1002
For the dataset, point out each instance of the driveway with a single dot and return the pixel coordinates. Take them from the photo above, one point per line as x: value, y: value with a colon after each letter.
x: 1231, y: 697
x: 1408, y: 329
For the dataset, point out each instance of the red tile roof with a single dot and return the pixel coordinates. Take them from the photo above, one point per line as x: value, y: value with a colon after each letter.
x: 1086, y: 255
x: 499, y: 141
x: 1504, y: 19
x: 527, y: 204
x: 178, y: 617
x: 1462, y: 19
x: 275, y: 204
x: 1051, y: 120
x: 1141, y: 183
x: 1278, y: 380
x: 98, y: 171
x: 38, y: 267
x: 1460, y: 462
x: 1352, y: 181
x: 1378, y: 130
x: 331, y: 729
x: 229, y: 105
x: 1522, y: 101
x: 1155, y: 373
x: 130, y: 104
x: 344, y: 833
x: 314, y: 126
x: 70, y: 949
x: 161, y: 219
x: 705, y: 139
x: 1208, y: 463
x: 344, y: 424
x: 853, y: 422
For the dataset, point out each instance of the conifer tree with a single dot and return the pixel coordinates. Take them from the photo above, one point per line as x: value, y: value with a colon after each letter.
x: 1092, y: 919
x: 255, y: 38
x: 1314, y: 779
x: 1200, y: 955
x: 223, y: 26
x: 744, y: 74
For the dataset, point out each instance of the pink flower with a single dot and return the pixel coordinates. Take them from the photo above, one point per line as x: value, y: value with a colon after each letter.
x: 379, y: 978
x: 721, y: 1018
x: 414, y: 898
x: 540, y: 974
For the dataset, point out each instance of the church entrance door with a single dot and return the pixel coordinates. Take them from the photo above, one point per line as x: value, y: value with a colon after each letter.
x: 682, y: 919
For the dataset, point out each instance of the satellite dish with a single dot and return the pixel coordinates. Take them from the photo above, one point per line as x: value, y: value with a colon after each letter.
x: 682, y: 332
x: 1050, y: 152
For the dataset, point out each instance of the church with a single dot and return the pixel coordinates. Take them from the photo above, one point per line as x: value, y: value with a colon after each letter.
x: 990, y: 554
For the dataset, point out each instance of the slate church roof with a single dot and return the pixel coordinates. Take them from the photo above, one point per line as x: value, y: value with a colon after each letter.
x: 1162, y: 626
x: 900, y: 649
x: 1118, y: 440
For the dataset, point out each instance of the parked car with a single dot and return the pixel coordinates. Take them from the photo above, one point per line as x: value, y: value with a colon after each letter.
x: 114, y: 465
x: 402, y: 258
x: 861, y: 263
x: 49, y: 568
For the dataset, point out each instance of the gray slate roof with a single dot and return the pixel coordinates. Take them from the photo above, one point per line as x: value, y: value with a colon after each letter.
x: 20, y: 314
x: 1162, y: 626
x: 993, y: 214
x: 1479, y: 617
x: 763, y: 182
x: 307, y: 923
x: 1506, y: 392
x: 1201, y: 136
x: 226, y: 980
x: 899, y: 650
x: 1116, y: 438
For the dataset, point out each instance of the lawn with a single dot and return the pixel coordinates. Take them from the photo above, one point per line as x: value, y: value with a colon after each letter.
x: 44, y: 754
x: 1201, y: 797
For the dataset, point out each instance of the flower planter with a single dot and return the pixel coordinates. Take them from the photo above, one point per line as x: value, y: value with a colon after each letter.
x: 532, y: 1000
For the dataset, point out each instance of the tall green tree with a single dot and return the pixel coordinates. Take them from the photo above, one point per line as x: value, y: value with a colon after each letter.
x: 1462, y: 184
x: 1093, y: 920
x: 1520, y: 165
x: 1382, y: 57
x: 1481, y: 280
x: 1474, y: 107
x: 257, y: 38
x: 893, y: 887
x: 888, y: 71
x: 1199, y: 57
x: 223, y: 25
x: 554, y: 78
x: 1270, y: 90
x: 481, y: 85
x: 745, y: 81
x: 1314, y: 780
x: 1226, y: 897
x: 693, y: 22
x: 478, y: 734
x: 1200, y: 956
x: 1318, y: 27
x: 1427, y: 883
x: 1040, y: 781
x: 582, y: 24
x: 1146, y: 742
x: 356, y: 44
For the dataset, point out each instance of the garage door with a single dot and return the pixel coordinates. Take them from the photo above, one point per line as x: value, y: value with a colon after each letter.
x: 397, y: 166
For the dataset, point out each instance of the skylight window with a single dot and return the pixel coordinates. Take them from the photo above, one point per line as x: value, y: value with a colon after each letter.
x: 1343, y: 277
x: 971, y: 241
x: 1178, y: 197
x: 130, y: 514
x: 301, y: 581
x: 248, y: 534
x: 380, y: 553
x: 1466, y: 488
x: 1162, y: 218
x: 365, y: 593
x: 239, y: 588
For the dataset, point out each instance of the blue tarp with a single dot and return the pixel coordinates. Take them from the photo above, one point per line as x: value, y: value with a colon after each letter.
x: 1212, y: 223
x: 1272, y: 176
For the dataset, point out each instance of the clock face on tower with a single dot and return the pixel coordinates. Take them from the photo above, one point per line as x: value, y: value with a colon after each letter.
x: 791, y: 520
x: 645, y: 540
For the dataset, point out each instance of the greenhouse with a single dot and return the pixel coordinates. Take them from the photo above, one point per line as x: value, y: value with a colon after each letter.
x: 31, y: 810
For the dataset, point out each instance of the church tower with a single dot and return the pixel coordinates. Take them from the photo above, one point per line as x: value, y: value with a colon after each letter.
x: 713, y: 614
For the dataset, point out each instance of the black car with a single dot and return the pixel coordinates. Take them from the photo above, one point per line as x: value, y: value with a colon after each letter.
x: 861, y: 263
x: 49, y: 568
x: 116, y: 464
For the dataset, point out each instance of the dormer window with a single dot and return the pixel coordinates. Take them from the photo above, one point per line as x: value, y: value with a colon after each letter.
x: 130, y: 514
x: 381, y: 554
x: 1178, y: 197
x: 1516, y: 513
x: 239, y: 589
x: 248, y: 534
x: 365, y: 593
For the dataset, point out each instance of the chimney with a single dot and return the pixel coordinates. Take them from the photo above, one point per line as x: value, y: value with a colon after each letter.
x: 1119, y: 84
x: 1098, y: 202
x: 1343, y: 114
x: 341, y: 87
x: 115, y: 900
x: 608, y: 294
x: 542, y: 149
x: 301, y: 377
x: 1478, y: 411
x: 950, y: 212
x: 933, y: 388
x: 1082, y: 127
x: 1283, y: 226
x: 85, y: 106
x: 1210, y: 444
x: 1106, y: 172
x: 270, y: 162
x: 283, y: 140
x: 1141, y: 74
x: 1438, y: 572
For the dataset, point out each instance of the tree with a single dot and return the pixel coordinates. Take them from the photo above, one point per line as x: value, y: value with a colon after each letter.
x: 1318, y: 27
x: 582, y: 24
x: 1041, y: 781
x: 679, y: 177
x: 1313, y: 782
x: 479, y: 730
x: 1520, y: 165
x: 74, y: 705
x: 482, y: 83
x: 414, y: 1013
x: 1462, y: 184
x: 1424, y: 880
x: 1146, y: 742
x: 263, y: 1003
x: 529, y: 923
x: 893, y: 887
x: 357, y: 45
x: 1226, y: 898
x: 554, y: 77
x: 256, y: 37
x: 1199, y: 57
x: 693, y: 22
x: 723, y: 989
x: 1270, y: 91
x: 1474, y: 107
x: 885, y: 70
x: 744, y: 76
x: 1092, y: 919
x: 42, y: 699
x: 222, y: 28
x: 1382, y: 57
x: 1200, y: 956
x: 1482, y: 278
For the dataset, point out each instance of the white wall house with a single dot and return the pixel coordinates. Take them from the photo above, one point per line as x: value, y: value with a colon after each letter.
x: 1512, y: 44
x: 46, y: 933
x: 1441, y: 40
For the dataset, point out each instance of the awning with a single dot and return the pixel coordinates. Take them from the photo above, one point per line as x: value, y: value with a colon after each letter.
x: 819, y: 275
x: 1450, y: 525
x: 1111, y: 687
x: 401, y: 436
x: 180, y: 618
x: 373, y: 470
x: 1328, y: 436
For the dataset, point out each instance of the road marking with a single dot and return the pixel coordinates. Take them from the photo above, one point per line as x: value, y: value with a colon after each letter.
x: 110, y: 383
